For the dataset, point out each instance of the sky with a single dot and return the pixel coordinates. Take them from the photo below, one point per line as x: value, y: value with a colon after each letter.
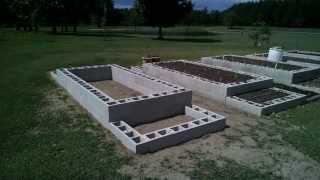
x: 199, y: 4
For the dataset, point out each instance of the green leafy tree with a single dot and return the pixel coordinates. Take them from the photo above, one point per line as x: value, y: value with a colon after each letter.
x: 164, y: 13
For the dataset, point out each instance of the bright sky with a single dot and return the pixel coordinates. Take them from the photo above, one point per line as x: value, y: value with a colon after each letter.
x: 199, y: 4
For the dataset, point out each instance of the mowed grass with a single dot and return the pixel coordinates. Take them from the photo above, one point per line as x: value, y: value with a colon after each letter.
x: 37, y: 145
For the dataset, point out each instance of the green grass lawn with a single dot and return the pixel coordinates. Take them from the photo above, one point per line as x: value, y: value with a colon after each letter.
x: 35, y: 145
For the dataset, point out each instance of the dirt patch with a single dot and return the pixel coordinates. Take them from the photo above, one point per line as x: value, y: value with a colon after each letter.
x: 147, y: 128
x: 115, y: 89
x: 205, y: 72
x: 262, y: 96
x: 245, y: 60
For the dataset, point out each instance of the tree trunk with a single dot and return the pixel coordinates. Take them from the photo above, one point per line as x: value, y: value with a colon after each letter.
x: 160, y: 35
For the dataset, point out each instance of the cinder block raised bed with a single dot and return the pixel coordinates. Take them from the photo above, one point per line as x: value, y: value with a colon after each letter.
x: 302, y: 58
x: 266, y: 101
x: 204, y: 122
x: 161, y: 98
x: 280, y: 72
x: 213, y: 82
x: 158, y: 100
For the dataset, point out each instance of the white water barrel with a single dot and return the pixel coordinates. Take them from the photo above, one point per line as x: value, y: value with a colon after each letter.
x: 275, y: 54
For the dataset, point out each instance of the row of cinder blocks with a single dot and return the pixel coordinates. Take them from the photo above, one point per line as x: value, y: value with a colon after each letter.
x: 160, y: 99
x: 204, y: 122
x: 227, y: 93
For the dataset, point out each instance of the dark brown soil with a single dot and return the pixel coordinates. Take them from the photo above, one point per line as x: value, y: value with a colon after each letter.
x: 209, y: 73
x: 262, y: 96
x: 245, y: 60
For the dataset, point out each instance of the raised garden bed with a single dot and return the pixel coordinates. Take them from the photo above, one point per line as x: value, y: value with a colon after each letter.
x: 266, y: 101
x: 283, y: 73
x: 262, y: 96
x: 297, y: 58
x: 213, y: 82
x: 105, y: 92
x: 202, y: 122
x: 257, y: 62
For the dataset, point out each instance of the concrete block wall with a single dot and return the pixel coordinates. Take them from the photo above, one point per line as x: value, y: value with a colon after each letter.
x: 278, y: 75
x: 94, y: 101
x: 204, y: 122
x: 151, y: 108
x: 214, y: 90
x: 171, y: 101
x: 315, y: 56
x: 140, y: 82
x: 273, y: 106
x: 93, y: 73
x: 120, y: 115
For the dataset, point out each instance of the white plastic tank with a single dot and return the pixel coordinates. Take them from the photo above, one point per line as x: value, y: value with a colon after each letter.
x: 275, y: 54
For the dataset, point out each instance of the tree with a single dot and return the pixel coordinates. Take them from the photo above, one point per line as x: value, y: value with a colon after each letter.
x: 164, y: 13
x: 26, y: 13
x: 103, y: 11
x: 261, y: 36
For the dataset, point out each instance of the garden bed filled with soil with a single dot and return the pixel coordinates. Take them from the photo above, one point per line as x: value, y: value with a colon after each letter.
x: 213, y: 74
x: 262, y: 96
x: 244, y: 60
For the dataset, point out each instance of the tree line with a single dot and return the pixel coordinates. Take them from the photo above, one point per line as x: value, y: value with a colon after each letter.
x: 27, y: 15
x: 283, y: 13
x: 66, y: 15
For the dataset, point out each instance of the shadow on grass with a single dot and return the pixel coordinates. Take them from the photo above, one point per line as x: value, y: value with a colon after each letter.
x: 193, y: 40
x: 90, y: 34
